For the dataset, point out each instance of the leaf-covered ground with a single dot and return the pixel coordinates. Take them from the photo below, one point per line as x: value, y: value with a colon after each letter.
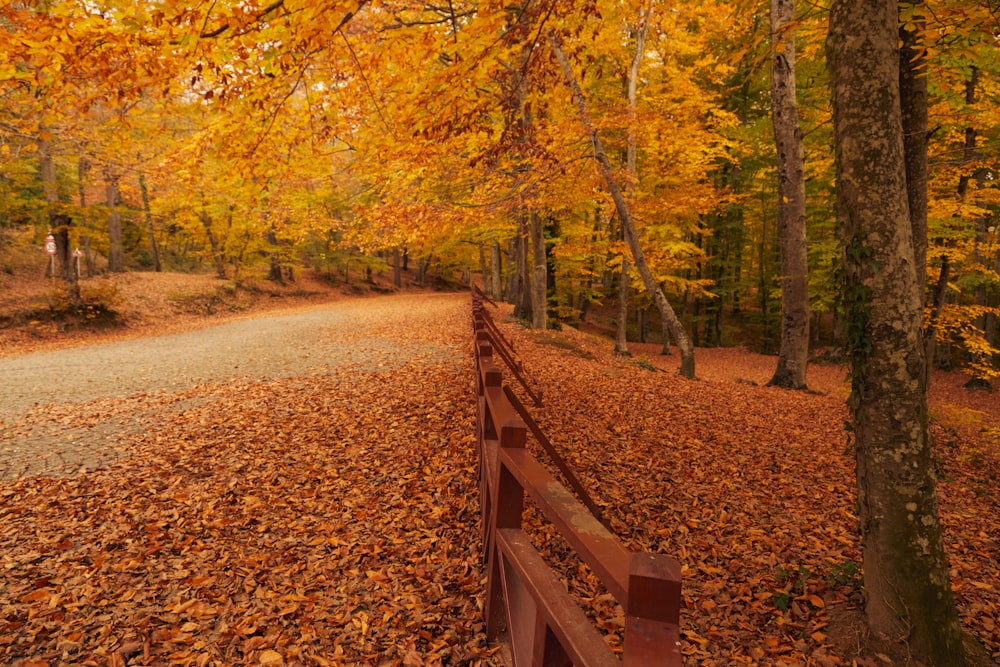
x: 752, y: 489
x: 321, y: 520
x: 333, y: 519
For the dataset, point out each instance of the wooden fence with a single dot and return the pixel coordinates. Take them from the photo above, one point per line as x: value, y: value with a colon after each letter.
x: 528, y: 610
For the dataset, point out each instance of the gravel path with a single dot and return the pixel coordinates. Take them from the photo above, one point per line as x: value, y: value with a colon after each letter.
x: 67, y: 409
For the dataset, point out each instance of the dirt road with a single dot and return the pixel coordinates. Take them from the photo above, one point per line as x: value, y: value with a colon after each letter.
x: 67, y: 409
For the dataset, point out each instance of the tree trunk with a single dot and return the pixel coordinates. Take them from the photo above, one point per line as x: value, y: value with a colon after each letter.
x: 665, y: 327
x: 213, y: 242
x: 991, y: 317
x: 59, y: 222
x: 905, y: 570
x: 793, y: 354
x: 522, y: 299
x: 154, y: 249
x: 82, y: 168
x: 497, y: 270
x: 512, y: 277
x: 764, y: 289
x: 631, y: 158
x: 552, y: 234
x: 88, y: 256
x: 981, y: 360
x: 484, y: 271
x: 116, y: 254
x: 64, y: 254
x: 397, y: 267
x: 980, y: 259
x: 539, y: 274
x: 621, y: 328
x: 913, y: 107
x: 937, y: 307
x: 625, y: 215
x: 274, y: 273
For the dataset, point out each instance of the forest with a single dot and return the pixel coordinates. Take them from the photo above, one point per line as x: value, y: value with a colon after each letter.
x: 803, y: 179
x: 350, y: 136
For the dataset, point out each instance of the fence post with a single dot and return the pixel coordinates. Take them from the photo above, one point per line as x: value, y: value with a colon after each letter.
x: 652, y: 612
x: 490, y: 379
x: 507, y: 509
x: 652, y: 595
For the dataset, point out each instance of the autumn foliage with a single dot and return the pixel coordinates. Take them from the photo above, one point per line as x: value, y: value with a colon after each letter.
x: 594, y: 165
x: 333, y: 518
x: 232, y: 134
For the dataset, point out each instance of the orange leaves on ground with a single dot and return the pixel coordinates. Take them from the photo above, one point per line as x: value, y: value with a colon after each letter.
x: 333, y: 519
x: 309, y: 521
x: 751, y: 488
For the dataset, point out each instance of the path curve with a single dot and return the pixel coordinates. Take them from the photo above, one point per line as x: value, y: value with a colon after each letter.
x: 61, y: 410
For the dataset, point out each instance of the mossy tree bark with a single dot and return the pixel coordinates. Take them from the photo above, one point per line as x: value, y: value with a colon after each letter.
x: 905, y: 569
x: 793, y: 354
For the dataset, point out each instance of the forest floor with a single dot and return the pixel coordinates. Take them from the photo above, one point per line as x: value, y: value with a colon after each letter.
x: 330, y: 516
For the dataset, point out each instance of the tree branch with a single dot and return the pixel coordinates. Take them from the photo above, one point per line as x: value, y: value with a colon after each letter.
x: 277, y: 4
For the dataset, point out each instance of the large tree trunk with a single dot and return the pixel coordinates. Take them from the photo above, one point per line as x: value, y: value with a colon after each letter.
x: 539, y: 274
x: 625, y: 215
x: 116, y: 253
x: 793, y: 354
x: 905, y: 570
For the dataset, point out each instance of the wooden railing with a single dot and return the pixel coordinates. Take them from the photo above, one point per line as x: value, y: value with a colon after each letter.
x: 527, y: 608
